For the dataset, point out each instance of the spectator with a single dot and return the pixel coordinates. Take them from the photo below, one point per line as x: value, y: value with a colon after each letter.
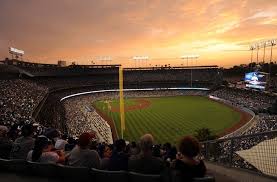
x: 71, y: 144
x: 145, y: 162
x: 82, y: 156
x: 24, y: 144
x: 134, y: 150
x: 167, y: 151
x: 119, y: 159
x: 60, y: 143
x: 157, y: 151
x: 43, y: 152
x: 5, y: 143
x: 187, y: 164
x: 107, y: 153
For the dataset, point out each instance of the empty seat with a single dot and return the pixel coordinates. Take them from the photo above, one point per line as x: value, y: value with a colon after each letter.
x: 18, y: 166
x: 108, y: 176
x: 4, y: 164
x: 42, y: 169
x: 69, y: 173
x: 138, y: 177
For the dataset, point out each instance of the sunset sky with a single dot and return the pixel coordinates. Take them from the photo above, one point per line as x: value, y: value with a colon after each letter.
x: 220, y: 31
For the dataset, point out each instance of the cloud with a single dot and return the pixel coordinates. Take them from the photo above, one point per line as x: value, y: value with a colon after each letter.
x: 68, y: 29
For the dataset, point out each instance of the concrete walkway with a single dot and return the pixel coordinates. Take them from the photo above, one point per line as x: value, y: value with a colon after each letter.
x: 227, y: 174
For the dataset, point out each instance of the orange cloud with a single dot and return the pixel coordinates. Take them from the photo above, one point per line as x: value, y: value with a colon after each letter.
x: 162, y: 29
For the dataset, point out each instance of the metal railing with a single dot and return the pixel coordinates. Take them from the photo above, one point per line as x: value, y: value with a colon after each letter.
x: 255, y: 152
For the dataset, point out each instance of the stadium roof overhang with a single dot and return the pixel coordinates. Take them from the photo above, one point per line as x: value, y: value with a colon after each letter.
x: 172, y: 68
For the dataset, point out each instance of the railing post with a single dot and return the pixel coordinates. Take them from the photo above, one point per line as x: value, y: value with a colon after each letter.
x: 231, y: 152
x: 206, y: 150
x: 215, y: 148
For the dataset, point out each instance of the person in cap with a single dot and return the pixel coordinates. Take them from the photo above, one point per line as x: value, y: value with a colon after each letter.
x: 81, y: 155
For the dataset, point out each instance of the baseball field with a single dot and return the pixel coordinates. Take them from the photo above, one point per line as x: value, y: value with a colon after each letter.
x: 169, y: 118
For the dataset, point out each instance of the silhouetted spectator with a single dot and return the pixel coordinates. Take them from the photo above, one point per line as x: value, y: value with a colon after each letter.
x: 71, y: 144
x: 187, y: 164
x: 43, y: 152
x: 145, y: 162
x: 24, y: 144
x: 157, y: 151
x: 82, y: 156
x: 119, y: 159
x: 61, y: 142
x: 134, y: 149
x: 106, y: 155
x: 5, y: 143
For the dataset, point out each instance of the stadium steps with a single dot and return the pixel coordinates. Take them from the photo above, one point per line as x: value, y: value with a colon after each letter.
x: 229, y: 174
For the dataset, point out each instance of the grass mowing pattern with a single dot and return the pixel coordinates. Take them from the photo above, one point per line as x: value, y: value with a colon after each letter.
x: 169, y: 118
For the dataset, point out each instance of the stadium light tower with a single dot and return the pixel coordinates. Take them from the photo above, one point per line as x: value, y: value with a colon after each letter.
x: 192, y: 58
x: 264, y: 44
x: 252, y: 48
x: 258, y: 47
x: 189, y: 57
x: 272, y: 43
x: 105, y: 59
x: 139, y: 59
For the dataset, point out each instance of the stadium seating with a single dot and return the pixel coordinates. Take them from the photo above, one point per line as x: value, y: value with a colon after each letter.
x: 137, y: 177
x: 4, y: 164
x: 108, y: 176
x: 15, y: 165
x: 74, y: 173
x: 68, y: 173
x: 41, y: 169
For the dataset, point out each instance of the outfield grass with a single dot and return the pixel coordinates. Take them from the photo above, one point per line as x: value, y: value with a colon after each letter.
x: 169, y: 118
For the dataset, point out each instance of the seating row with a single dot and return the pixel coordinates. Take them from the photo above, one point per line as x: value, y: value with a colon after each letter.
x: 55, y: 172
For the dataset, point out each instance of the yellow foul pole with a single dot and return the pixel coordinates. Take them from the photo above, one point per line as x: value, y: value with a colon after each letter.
x: 121, y: 100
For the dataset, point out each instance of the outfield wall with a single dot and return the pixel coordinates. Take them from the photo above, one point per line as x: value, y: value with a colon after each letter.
x: 242, y: 129
x: 126, y: 90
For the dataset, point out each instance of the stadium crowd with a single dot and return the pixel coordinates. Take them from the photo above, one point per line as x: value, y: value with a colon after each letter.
x: 254, y: 100
x: 263, y: 122
x: 18, y: 100
x: 143, y: 157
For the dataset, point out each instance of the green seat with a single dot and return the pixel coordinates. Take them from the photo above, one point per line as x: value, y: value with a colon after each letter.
x: 42, y: 169
x: 138, y: 177
x: 18, y: 166
x: 69, y: 173
x: 108, y: 176
x: 4, y: 164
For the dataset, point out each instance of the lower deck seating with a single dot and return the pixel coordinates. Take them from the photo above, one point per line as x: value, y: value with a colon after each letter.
x: 21, y: 171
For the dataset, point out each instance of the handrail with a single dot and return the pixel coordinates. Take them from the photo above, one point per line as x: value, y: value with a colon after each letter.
x: 239, y: 137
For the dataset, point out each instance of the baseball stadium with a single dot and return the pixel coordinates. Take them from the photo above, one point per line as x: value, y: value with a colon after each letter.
x: 198, y: 104
x: 116, y: 105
